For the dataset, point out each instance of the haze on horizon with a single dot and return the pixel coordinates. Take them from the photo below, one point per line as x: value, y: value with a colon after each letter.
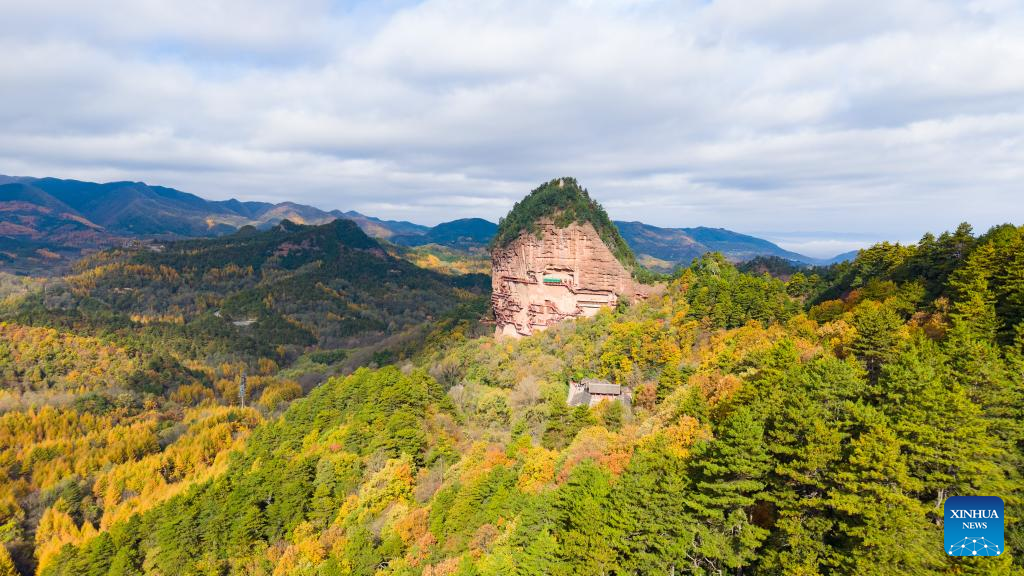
x: 820, y: 125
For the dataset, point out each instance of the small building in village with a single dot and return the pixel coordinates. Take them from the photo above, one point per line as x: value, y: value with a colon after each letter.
x: 591, y: 391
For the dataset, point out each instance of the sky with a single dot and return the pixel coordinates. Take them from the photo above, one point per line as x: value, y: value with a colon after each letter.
x: 822, y: 125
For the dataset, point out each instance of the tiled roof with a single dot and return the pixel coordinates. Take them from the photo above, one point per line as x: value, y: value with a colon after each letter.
x: 595, y: 386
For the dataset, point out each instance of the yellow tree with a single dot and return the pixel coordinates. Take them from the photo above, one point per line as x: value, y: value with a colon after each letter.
x: 6, y: 564
x: 56, y: 528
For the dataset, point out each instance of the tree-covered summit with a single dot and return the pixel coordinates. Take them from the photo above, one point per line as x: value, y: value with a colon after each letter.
x: 564, y: 201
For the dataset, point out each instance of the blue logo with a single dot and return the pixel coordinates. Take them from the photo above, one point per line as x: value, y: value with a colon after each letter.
x: 973, y: 526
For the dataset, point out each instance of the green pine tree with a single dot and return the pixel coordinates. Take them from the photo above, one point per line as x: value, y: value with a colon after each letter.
x: 729, y: 473
x: 882, y: 530
x: 580, y: 513
x: 878, y: 334
x: 649, y: 524
x: 125, y: 562
x: 540, y: 556
x: 99, y: 554
x: 806, y: 409
x: 670, y: 378
x: 362, y: 553
x: 945, y: 436
x: 249, y: 528
x: 556, y: 430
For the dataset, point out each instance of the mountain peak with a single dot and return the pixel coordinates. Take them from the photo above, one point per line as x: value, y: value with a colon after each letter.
x: 565, y: 202
x: 558, y: 256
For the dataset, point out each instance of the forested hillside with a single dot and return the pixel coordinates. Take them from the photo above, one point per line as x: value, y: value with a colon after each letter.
x: 263, y: 294
x: 136, y: 375
x: 813, y: 426
x: 469, y: 234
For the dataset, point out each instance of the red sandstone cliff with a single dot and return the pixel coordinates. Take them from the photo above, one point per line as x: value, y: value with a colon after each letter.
x: 558, y: 273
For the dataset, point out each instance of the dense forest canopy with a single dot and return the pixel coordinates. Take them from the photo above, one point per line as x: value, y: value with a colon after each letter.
x: 137, y: 374
x: 565, y: 202
x: 254, y: 293
x: 813, y: 425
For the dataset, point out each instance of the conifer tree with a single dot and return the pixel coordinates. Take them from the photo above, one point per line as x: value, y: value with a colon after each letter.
x: 6, y: 563
x: 947, y: 441
x: 1011, y: 280
x: 973, y: 311
x: 1011, y: 427
x: 249, y: 528
x: 362, y: 553
x: 668, y: 381
x: 557, y: 427
x: 976, y: 361
x: 878, y: 334
x: 649, y: 524
x: 99, y: 554
x: 125, y: 562
x: 580, y: 509
x: 540, y: 557
x: 323, y: 507
x: 882, y: 530
x: 695, y: 405
x: 729, y: 475
x: 805, y: 440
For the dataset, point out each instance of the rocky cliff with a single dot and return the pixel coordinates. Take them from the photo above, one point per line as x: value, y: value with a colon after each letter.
x: 541, y: 278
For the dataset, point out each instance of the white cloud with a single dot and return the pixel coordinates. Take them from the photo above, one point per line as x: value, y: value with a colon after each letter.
x: 890, y: 120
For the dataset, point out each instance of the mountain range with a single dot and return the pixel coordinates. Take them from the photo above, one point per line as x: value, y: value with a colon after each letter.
x: 46, y: 221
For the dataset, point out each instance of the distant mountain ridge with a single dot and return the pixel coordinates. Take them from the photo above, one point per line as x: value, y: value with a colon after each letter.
x: 464, y: 233
x: 845, y: 256
x: 138, y: 209
x: 681, y: 245
x: 47, y: 220
x: 386, y: 229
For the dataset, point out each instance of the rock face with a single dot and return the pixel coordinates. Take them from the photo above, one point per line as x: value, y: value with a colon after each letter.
x: 541, y: 279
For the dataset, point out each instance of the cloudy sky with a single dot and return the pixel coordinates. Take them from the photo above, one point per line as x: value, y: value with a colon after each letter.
x: 823, y: 125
